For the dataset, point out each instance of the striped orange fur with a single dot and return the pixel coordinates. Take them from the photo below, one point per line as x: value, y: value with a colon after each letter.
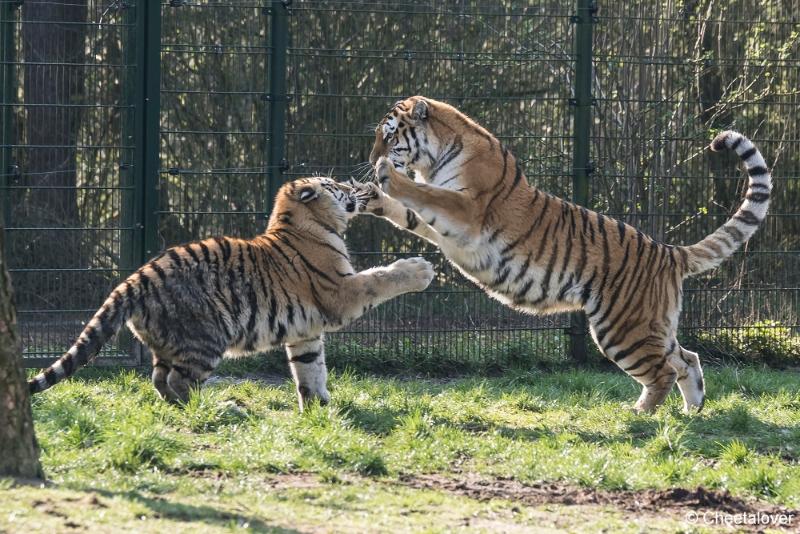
x: 227, y: 296
x: 542, y: 254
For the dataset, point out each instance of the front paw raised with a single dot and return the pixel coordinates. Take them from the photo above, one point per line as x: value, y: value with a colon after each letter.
x: 418, y: 271
x: 370, y: 198
x: 384, y: 171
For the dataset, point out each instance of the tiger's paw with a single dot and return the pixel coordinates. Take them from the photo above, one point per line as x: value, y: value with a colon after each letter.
x: 370, y: 198
x: 418, y: 271
x: 384, y: 169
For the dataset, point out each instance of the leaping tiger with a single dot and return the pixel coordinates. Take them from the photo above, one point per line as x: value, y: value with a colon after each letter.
x: 288, y: 286
x: 539, y: 253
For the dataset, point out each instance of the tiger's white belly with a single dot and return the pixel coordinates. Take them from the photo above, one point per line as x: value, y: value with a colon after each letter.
x: 522, y: 286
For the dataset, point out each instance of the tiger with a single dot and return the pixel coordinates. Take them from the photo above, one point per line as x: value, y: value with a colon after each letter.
x: 226, y: 297
x: 538, y: 253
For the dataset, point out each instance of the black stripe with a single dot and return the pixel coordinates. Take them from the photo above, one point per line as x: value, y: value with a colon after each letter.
x: 757, y: 170
x: 566, y: 287
x: 175, y: 257
x: 306, y: 357
x: 225, y: 246
x: 159, y: 271
x: 502, y: 277
x: 747, y: 217
x: 748, y: 153
x: 621, y: 228
x: 452, y: 151
x: 307, y: 263
x: 68, y: 364
x: 285, y: 257
x: 494, y: 235
x: 515, y: 183
x: 281, y: 333
x: 411, y: 219
x: 523, y: 269
x: 241, y: 263
x: 578, y: 271
x: 584, y: 217
x: 192, y: 253
x: 587, y: 287
x: 567, y: 254
x: 273, y: 312
x: 733, y: 232
x: 618, y: 289
x: 519, y: 295
x: 499, y: 189
x: 638, y: 363
x: 601, y: 227
x: 754, y: 196
x: 631, y: 349
x: 326, y: 226
x: 533, y: 226
x: 50, y: 376
x: 548, y: 273
x: 736, y: 143
x: 206, y: 252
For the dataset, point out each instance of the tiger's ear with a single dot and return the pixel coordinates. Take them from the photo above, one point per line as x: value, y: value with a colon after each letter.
x: 307, y: 194
x: 420, y: 111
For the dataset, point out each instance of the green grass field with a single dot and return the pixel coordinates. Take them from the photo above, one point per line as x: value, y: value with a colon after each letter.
x: 520, y: 452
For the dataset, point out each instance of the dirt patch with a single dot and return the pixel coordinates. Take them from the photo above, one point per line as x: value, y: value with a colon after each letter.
x: 293, y: 481
x: 678, y: 502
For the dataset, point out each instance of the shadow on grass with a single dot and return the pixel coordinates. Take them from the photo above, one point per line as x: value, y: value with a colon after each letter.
x: 162, y: 508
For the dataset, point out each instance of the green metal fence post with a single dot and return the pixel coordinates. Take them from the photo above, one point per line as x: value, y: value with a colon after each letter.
x: 130, y: 216
x: 148, y: 103
x: 130, y: 251
x: 7, y: 98
x: 279, y: 41
x: 581, y: 164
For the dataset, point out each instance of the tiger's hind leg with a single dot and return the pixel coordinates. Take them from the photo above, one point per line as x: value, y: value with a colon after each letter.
x: 188, y: 372
x: 657, y: 383
x: 646, y: 361
x: 690, y: 377
x: 160, y: 372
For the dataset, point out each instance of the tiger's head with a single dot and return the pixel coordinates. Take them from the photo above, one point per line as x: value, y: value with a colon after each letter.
x: 419, y: 133
x: 402, y: 135
x: 319, y: 199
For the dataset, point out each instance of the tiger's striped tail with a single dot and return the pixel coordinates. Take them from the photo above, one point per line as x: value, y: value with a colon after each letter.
x: 106, y: 322
x: 712, y: 250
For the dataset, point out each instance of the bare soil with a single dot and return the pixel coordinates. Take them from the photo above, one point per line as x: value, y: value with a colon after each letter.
x: 677, y: 502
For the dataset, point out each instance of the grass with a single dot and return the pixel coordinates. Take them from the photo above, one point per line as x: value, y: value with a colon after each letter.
x: 224, y: 459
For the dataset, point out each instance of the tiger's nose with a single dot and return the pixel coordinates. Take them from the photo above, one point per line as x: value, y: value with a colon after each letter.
x: 351, y: 206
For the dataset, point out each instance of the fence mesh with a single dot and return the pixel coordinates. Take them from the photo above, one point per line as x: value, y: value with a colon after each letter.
x: 67, y: 200
x: 666, y: 76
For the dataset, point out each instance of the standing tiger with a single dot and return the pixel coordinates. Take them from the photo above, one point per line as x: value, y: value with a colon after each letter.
x: 539, y: 253
x: 196, y: 302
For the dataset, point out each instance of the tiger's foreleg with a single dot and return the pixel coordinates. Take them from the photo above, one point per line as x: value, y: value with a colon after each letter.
x: 307, y: 363
x: 377, y: 203
x: 451, y: 213
x: 364, y: 290
x: 357, y: 294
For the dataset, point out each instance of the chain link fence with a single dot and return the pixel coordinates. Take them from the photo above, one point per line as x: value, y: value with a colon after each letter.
x: 128, y: 127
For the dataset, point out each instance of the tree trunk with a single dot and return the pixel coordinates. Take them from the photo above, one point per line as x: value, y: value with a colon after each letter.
x: 20, y: 452
x: 54, y: 51
x: 54, y: 56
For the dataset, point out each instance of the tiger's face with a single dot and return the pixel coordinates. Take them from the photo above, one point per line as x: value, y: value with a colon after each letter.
x: 406, y: 136
x: 323, y: 198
